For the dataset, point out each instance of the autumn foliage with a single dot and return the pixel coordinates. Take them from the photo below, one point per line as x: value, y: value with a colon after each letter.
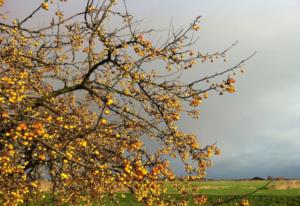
x: 81, y: 100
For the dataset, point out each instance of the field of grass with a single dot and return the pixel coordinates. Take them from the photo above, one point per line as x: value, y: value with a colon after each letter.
x: 224, y: 190
x: 270, y: 195
x: 242, y: 188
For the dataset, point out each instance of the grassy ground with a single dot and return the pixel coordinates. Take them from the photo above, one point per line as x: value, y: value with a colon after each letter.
x: 225, y: 190
x: 242, y: 187
x: 256, y: 200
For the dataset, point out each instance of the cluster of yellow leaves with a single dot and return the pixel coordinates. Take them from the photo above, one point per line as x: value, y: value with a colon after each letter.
x: 2, y: 2
x: 81, y: 105
x: 14, y: 88
x: 196, y: 27
x: 45, y: 6
x: 200, y: 200
x: 244, y: 202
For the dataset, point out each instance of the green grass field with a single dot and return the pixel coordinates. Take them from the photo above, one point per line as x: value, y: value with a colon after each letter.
x: 241, y: 188
x: 256, y: 200
x: 225, y: 190
x: 265, y: 196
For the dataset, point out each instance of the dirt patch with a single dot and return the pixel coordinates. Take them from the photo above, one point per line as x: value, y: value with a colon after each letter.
x: 44, y: 185
x: 285, y: 184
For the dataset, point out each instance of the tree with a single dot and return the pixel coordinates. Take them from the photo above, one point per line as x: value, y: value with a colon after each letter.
x: 79, y: 102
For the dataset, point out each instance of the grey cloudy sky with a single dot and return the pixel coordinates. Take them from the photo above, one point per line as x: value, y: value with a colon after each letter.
x: 257, y: 128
